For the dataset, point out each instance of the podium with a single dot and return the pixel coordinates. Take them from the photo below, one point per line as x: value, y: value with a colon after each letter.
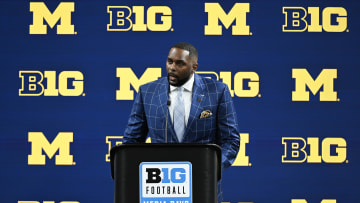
x: 165, y: 173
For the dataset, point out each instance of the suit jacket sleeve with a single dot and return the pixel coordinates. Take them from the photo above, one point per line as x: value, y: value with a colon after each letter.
x: 137, y: 128
x: 227, y: 130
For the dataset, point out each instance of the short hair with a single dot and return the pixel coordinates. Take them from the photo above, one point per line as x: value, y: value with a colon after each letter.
x: 193, y: 53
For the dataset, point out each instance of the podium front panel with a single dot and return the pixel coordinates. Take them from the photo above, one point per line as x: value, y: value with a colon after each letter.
x: 204, y: 161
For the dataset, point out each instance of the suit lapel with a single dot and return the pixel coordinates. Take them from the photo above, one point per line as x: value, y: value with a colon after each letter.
x: 163, y: 92
x: 198, y: 97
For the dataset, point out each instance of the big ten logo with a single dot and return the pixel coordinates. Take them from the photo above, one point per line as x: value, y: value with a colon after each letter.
x: 166, y: 179
x: 48, y: 202
x: 299, y: 150
x: 237, y: 13
x: 68, y: 83
x: 241, y: 158
x: 40, y: 143
x: 246, y: 84
x: 298, y: 19
x: 163, y: 175
x: 62, y: 13
x: 325, y: 80
x: 304, y: 201
x: 123, y: 18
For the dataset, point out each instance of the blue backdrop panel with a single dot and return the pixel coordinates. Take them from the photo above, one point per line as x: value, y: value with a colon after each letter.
x: 76, y: 113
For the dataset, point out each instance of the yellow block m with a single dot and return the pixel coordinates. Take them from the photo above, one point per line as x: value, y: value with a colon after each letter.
x: 62, y: 13
x: 237, y: 13
x: 325, y: 80
x: 128, y: 78
x: 39, y: 143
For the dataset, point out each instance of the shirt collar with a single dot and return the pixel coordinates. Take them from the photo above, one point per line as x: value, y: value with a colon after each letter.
x: 188, y: 86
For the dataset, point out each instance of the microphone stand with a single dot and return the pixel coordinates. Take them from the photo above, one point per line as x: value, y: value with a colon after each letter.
x: 166, y: 119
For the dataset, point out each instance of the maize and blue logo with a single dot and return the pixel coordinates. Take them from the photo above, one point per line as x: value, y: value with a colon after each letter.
x: 168, y: 182
x: 47, y: 83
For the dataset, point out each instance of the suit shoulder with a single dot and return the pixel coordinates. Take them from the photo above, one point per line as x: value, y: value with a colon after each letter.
x: 211, y: 83
x: 153, y: 85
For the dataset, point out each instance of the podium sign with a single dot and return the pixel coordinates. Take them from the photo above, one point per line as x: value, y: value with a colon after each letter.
x: 166, y: 182
x: 166, y: 173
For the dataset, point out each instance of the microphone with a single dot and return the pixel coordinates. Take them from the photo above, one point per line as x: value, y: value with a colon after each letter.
x: 166, y: 119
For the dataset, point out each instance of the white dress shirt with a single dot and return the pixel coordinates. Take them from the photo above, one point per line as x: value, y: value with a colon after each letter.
x: 187, y: 97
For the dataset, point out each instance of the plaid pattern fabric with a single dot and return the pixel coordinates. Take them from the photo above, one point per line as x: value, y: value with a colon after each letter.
x: 148, y: 114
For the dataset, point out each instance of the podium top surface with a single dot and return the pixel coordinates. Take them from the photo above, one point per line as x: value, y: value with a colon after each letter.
x: 163, y: 146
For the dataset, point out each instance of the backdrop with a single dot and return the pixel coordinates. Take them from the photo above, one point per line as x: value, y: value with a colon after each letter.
x: 70, y: 71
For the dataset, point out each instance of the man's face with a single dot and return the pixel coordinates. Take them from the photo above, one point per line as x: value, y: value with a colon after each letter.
x: 179, y: 66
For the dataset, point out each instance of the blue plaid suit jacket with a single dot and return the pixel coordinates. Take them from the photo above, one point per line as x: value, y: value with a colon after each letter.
x: 148, y: 117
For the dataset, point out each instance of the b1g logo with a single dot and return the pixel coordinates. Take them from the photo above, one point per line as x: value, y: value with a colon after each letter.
x: 62, y: 13
x: 334, y: 19
x: 166, y: 182
x: 246, y: 84
x: 120, y: 18
x: 333, y: 150
x: 68, y: 83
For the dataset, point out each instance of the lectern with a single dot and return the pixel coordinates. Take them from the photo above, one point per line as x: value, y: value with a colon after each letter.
x: 166, y: 173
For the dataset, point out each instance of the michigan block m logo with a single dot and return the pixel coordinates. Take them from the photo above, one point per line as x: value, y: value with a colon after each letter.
x: 237, y: 13
x: 324, y: 80
x: 61, y: 143
x: 62, y: 13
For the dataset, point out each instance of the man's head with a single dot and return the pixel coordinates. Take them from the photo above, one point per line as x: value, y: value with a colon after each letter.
x: 181, y: 63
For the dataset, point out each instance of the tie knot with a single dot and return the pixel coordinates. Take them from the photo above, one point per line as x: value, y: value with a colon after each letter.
x: 180, y: 89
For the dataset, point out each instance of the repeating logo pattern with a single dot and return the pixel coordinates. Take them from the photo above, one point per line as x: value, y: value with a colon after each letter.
x: 46, y: 93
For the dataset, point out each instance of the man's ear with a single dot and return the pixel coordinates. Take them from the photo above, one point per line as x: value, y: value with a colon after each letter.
x: 195, y: 66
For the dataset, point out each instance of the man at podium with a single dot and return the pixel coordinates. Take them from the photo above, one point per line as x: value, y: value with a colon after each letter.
x: 185, y: 108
